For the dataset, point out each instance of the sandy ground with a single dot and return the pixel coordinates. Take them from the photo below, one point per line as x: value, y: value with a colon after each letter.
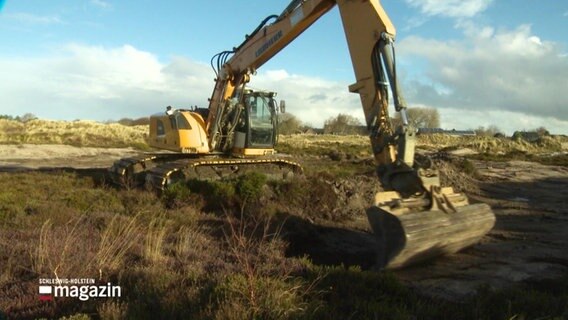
x: 528, y: 242
x: 31, y: 156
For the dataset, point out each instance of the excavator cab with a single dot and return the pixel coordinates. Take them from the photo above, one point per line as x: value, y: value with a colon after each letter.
x: 257, y: 132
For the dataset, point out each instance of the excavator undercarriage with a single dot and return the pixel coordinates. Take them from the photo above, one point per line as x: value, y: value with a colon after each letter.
x: 159, y: 171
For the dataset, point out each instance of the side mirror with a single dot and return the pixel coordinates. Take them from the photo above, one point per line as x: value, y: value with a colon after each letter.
x: 282, y: 106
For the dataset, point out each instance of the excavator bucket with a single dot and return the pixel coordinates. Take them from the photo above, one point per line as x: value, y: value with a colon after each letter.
x: 407, y: 237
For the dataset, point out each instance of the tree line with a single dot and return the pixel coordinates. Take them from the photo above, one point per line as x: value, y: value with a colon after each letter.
x: 348, y: 124
x: 24, y: 118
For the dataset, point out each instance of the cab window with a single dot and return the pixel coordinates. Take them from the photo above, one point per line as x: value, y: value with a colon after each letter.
x: 261, y: 121
x: 160, y: 130
x: 182, y: 123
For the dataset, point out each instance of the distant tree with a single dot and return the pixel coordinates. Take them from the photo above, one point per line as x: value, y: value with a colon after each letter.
x: 490, y: 131
x: 125, y: 121
x: 143, y: 121
x: 517, y: 135
x: 306, y: 126
x: 24, y: 118
x: 341, y: 124
x: 28, y: 117
x: 288, y: 124
x: 542, y: 131
x: 419, y: 117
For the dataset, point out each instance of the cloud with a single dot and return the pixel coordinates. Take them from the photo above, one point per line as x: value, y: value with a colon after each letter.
x: 100, y: 83
x: 101, y: 4
x: 414, y: 22
x: 312, y: 100
x: 451, y: 8
x: 29, y: 18
x: 90, y: 82
x: 507, y: 121
x: 565, y: 14
x: 504, y: 70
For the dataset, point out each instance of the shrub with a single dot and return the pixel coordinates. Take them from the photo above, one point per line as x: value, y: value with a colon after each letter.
x: 259, y: 298
x: 176, y: 194
x: 249, y: 186
x: 217, y: 194
x: 468, y: 168
x: 222, y: 191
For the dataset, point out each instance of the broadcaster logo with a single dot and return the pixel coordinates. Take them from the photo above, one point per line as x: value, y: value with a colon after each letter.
x: 82, y: 289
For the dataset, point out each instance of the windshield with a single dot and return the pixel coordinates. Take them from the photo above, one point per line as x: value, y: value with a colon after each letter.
x: 261, y: 120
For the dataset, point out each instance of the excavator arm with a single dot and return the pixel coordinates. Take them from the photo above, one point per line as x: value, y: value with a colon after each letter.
x: 414, y: 218
x: 370, y: 35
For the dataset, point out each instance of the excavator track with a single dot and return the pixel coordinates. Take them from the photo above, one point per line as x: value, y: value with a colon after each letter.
x: 160, y: 170
x: 159, y: 177
x: 130, y: 172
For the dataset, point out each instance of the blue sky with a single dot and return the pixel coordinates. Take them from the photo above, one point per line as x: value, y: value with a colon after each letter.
x: 479, y: 62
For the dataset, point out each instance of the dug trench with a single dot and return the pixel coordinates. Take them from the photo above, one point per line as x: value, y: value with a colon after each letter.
x: 323, y: 218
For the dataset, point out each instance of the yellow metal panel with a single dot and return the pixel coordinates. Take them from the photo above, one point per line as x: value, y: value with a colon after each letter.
x: 192, y: 140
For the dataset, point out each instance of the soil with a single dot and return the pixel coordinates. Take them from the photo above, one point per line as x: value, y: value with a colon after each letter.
x: 527, y: 244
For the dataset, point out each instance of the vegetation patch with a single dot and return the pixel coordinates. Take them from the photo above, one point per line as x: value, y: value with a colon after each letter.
x: 181, y: 262
x: 77, y: 133
x: 219, y: 249
x: 559, y: 159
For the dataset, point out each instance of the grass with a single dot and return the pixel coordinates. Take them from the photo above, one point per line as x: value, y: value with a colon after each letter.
x: 182, y: 262
x: 483, y: 144
x: 559, y: 159
x: 334, y: 147
x: 337, y: 148
x: 76, y: 133
x: 155, y: 240
x: 355, y: 147
x: 116, y: 239
x: 217, y: 250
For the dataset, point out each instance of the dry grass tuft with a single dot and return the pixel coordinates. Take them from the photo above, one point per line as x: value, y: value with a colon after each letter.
x: 119, y: 236
x: 154, y: 242
x: 62, y: 249
x: 41, y: 258
x: 263, y: 287
x: 113, y: 310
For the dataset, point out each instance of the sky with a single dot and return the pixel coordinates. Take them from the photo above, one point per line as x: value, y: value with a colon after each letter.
x: 478, y: 62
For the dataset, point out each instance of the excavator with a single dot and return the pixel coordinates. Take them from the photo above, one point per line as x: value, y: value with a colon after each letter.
x: 413, y: 219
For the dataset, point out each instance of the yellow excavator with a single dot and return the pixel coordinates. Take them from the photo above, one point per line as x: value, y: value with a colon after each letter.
x: 414, y: 218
